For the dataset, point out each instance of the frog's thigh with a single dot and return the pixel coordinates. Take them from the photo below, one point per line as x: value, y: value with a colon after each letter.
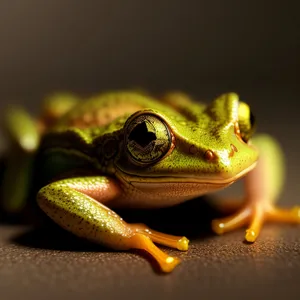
x: 74, y: 204
x: 262, y: 188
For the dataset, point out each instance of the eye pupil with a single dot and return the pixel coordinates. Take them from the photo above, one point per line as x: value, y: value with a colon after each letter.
x: 141, y: 135
x: 147, y: 138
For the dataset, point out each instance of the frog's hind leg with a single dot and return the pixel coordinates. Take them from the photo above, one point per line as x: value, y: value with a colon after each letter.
x: 23, y: 137
x: 263, y: 186
x: 78, y: 205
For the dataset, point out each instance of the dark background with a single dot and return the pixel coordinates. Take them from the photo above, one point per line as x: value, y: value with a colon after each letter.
x: 201, y: 47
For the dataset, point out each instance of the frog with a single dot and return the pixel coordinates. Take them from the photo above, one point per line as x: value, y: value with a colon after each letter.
x: 129, y: 149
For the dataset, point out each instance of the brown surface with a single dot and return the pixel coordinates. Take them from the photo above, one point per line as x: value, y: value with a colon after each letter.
x: 213, y: 268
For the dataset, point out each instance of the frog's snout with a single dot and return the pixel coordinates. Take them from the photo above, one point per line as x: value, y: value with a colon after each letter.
x: 210, y: 155
x: 235, y: 160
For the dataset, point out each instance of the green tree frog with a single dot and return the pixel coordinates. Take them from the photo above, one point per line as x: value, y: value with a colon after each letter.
x: 127, y: 149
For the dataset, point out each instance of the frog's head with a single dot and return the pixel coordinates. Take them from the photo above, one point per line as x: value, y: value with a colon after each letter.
x: 185, y: 155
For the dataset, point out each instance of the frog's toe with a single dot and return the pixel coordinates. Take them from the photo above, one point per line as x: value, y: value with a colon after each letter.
x: 177, y: 242
x: 256, y: 221
x: 252, y: 215
x: 251, y: 235
x: 183, y: 244
x: 231, y: 222
x: 255, y: 215
x: 291, y: 215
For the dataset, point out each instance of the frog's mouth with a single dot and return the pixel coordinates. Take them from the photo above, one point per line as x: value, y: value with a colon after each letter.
x: 165, y: 191
x: 136, y: 180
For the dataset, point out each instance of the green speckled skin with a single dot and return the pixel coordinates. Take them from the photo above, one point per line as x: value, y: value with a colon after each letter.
x: 70, y: 204
x: 127, y: 149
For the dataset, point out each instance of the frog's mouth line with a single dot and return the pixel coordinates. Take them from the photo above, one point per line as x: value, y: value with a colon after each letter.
x: 133, y: 179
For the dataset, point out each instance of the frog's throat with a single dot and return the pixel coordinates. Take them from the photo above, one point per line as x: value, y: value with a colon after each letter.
x: 187, y: 178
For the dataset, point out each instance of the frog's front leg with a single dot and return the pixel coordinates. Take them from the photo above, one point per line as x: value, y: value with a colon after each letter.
x: 262, y: 186
x: 77, y: 205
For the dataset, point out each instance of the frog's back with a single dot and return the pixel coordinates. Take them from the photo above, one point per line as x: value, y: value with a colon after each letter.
x: 106, y: 108
x: 68, y: 144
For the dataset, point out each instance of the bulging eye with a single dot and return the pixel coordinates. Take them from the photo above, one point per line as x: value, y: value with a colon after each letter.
x: 247, y: 124
x: 147, y: 138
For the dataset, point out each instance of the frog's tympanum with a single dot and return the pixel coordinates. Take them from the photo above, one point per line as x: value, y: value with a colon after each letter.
x: 129, y: 150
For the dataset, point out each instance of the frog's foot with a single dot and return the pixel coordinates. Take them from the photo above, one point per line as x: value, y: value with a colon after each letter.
x: 141, y: 241
x: 178, y: 242
x: 144, y: 238
x: 255, y: 214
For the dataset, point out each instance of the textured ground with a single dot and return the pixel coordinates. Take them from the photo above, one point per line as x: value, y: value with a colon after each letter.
x: 51, y: 264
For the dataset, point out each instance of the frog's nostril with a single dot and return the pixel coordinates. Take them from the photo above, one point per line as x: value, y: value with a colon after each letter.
x: 233, y: 150
x: 209, y: 155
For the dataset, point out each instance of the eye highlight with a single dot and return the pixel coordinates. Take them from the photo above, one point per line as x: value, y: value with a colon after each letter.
x: 147, y: 139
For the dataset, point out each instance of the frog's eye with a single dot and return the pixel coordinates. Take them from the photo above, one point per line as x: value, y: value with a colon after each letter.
x: 147, y: 138
x: 246, y: 122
